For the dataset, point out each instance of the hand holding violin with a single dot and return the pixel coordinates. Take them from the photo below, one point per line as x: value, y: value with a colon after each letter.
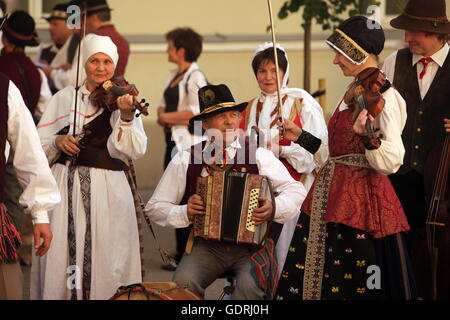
x: 359, y: 126
x: 126, y: 106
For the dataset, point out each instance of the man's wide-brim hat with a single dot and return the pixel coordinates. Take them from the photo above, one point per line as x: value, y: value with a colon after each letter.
x: 425, y: 16
x: 214, y: 100
x: 19, y: 29
x: 59, y: 12
x: 94, y: 6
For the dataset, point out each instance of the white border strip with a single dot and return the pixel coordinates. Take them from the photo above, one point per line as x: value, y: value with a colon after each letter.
x: 316, y: 45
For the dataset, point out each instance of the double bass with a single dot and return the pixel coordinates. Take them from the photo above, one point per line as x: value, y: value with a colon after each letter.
x: 437, y: 190
x: 431, y: 247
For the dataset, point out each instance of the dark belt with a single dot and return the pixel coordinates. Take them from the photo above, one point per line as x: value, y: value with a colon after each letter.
x: 94, y: 157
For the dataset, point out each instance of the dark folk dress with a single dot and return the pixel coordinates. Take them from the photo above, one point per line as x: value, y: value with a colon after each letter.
x: 171, y: 97
x: 348, y: 243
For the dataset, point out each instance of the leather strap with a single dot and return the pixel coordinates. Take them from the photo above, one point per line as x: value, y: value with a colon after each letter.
x: 190, y: 242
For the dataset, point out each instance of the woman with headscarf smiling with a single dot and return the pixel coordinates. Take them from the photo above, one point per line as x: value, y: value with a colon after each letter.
x: 95, y: 229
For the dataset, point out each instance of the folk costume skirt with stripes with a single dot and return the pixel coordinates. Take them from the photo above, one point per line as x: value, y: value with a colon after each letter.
x: 114, y: 238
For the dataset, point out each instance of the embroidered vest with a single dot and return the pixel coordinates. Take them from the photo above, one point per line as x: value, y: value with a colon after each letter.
x: 25, y: 75
x: 358, y: 197
x: 424, y: 127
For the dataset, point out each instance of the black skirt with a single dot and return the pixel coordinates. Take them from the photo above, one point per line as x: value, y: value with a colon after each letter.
x: 356, y: 267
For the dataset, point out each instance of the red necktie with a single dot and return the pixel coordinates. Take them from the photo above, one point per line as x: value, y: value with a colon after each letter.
x: 222, y: 162
x: 224, y: 157
x: 425, y: 62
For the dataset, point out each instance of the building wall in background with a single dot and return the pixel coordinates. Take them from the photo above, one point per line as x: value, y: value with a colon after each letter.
x: 232, y: 30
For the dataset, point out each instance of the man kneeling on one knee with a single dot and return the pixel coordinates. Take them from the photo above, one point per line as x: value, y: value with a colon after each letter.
x: 175, y: 202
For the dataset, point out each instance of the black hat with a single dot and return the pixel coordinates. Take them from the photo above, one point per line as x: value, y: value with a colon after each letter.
x: 59, y: 12
x: 94, y: 6
x: 19, y: 29
x: 421, y: 15
x: 214, y: 100
x: 356, y: 38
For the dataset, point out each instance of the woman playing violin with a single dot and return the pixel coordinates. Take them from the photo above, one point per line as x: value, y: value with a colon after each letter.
x: 96, y: 244
x: 348, y: 242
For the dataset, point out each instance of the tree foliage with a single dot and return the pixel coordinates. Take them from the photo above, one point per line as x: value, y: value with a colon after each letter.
x: 324, y: 12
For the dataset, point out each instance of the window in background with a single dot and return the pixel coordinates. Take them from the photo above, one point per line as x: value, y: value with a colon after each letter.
x: 13, y: 5
x: 47, y: 5
x: 36, y: 8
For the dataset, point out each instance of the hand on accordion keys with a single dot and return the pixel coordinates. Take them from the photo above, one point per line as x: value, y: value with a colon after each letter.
x: 196, y: 206
x: 263, y: 212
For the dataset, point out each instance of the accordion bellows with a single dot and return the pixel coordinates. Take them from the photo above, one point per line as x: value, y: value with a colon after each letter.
x: 230, y: 199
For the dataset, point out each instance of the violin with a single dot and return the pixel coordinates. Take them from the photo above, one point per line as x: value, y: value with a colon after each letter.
x: 365, y: 93
x: 108, y: 92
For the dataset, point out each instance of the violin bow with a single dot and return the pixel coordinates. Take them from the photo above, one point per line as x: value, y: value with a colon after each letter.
x: 77, y: 87
x: 5, y: 17
x: 277, y: 69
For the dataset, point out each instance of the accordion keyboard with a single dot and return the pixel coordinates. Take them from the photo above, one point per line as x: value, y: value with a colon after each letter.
x: 253, y: 204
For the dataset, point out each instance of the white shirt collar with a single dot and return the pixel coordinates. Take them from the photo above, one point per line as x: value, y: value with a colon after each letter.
x: 438, y: 57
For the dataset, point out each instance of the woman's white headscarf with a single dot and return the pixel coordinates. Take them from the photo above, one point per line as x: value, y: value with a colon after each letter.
x: 93, y: 44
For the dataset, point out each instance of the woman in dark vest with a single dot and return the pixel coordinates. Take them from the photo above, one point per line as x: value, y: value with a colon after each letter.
x: 95, y: 224
x: 349, y: 243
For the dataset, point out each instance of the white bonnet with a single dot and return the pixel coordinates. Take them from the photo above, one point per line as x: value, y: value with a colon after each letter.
x: 93, y: 44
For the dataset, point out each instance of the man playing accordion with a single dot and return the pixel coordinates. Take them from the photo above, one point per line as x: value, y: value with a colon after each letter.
x: 175, y: 202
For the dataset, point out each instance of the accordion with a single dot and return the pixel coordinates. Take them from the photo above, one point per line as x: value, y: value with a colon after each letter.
x: 230, y: 199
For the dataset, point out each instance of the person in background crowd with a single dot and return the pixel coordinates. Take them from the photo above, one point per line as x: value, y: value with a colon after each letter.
x: 180, y: 103
x: 61, y: 52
